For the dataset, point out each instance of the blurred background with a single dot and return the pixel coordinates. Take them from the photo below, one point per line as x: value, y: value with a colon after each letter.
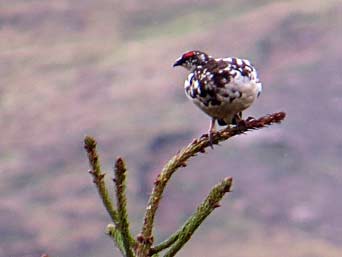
x: 71, y: 68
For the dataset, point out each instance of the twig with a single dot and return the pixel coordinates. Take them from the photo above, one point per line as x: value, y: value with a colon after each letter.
x: 166, y: 243
x: 98, y: 176
x: 116, y: 235
x: 178, y: 234
x: 120, y: 186
x: 203, y: 211
x: 145, y: 239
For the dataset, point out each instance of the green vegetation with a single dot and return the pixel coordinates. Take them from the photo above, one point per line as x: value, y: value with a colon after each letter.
x: 144, y: 246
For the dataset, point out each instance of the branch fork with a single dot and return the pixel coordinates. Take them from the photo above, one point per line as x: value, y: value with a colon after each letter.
x: 143, y: 245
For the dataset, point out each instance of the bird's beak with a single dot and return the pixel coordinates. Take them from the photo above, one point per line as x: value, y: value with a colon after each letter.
x: 178, y: 62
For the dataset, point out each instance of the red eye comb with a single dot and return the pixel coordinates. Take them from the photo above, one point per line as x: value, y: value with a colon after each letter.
x: 189, y: 54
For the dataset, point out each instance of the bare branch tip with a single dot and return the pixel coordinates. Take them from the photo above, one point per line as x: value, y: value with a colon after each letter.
x: 119, y: 159
x: 229, y: 180
x: 120, y: 164
x: 228, y: 184
x: 280, y: 116
x: 109, y: 229
x: 89, y: 143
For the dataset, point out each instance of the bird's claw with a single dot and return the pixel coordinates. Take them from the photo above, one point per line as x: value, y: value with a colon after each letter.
x: 210, y: 139
x: 243, y: 123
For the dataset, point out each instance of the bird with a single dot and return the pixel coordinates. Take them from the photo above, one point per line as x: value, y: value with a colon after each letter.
x: 221, y: 87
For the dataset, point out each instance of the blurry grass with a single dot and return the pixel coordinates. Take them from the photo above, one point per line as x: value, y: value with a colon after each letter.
x: 202, y: 18
x: 260, y: 243
x: 176, y: 22
x: 246, y: 237
x: 194, y: 21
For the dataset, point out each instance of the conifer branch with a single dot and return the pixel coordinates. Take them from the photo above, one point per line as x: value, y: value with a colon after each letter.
x: 120, y: 231
x: 116, y: 235
x: 196, y: 218
x: 98, y: 178
x: 166, y: 243
x: 209, y: 204
x: 123, y: 225
x: 145, y: 239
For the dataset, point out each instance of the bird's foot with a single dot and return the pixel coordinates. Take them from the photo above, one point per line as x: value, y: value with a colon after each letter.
x: 209, y: 136
x: 243, y: 123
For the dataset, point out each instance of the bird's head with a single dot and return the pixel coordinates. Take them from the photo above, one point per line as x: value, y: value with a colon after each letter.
x: 190, y: 60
